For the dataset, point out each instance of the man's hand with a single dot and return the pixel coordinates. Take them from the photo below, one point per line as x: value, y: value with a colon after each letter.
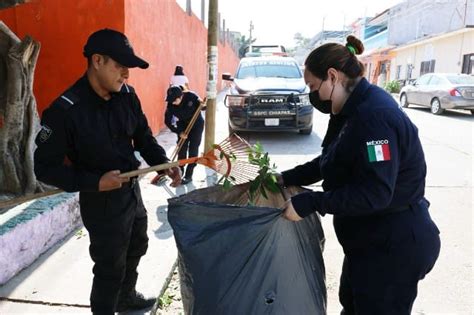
x: 182, y: 135
x: 175, y: 174
x: 111, y: 181
x: 289, y: 212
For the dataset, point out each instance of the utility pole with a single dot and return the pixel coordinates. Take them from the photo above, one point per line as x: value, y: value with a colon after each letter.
x: 322, y: 32
x: 250, y: 32
x: 211, y: 89
x: 465, y: 13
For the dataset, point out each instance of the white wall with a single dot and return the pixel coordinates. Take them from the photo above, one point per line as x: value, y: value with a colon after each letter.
x: 448, y: 53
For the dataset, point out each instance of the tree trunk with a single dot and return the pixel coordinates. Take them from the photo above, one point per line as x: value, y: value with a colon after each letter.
x: 19, y: 121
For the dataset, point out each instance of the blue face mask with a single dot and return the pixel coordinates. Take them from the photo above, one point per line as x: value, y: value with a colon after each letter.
x: 324, y: 106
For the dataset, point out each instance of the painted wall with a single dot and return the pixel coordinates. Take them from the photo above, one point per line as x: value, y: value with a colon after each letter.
x: 62, y: 31
x: 447, y: 51
x: 160, y: 32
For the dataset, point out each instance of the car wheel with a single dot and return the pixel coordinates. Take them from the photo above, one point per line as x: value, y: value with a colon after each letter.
x: 404, y: 101
x: 472, y: 111
x: 306, y: 131
x: 436, y: 107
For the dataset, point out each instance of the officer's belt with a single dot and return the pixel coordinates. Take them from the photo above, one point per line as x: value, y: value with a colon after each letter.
x: 131, y: 183
x: 391, y: 210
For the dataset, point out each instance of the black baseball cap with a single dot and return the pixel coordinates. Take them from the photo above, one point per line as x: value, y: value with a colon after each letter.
x: 173, y: 93
x: 115, y: 45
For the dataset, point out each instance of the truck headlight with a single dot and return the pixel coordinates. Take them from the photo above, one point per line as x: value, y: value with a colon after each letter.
x: 235, y: 100
x: 304, y: 100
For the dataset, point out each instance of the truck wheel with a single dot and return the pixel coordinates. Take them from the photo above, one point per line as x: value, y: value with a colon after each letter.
x: 306, y: 131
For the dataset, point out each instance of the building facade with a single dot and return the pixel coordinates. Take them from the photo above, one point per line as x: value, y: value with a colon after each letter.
x: 449, y: 52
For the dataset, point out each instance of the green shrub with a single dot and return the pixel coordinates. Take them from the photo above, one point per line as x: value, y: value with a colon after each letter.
x: 392, y: 86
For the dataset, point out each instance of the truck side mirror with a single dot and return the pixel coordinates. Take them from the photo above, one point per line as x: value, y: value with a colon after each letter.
x: 227, y: 77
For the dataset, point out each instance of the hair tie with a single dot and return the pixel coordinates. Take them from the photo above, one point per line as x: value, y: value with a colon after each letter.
x: 351, y: 49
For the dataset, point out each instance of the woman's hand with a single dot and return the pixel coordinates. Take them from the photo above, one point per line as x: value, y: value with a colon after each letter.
x: 289, y: 212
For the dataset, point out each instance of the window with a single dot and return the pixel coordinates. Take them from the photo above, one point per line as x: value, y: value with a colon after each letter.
x: 276, y: 69
x: 409, y: 71
x: 468, y: 63
x: 398, y: 72
x: 423, y: 80
x: 437, y: 81
x: 460, y: 79
x: 427, y: 66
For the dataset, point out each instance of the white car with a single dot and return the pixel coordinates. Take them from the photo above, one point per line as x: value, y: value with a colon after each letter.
x: 440, y: 91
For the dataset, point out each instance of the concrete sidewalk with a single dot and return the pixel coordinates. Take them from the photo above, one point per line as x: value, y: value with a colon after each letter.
x: 59, y: 281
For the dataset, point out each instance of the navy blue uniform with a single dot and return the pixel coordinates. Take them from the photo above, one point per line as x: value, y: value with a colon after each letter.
x: 184, y: 112
x: 373, y: 171
x: 84, y: 136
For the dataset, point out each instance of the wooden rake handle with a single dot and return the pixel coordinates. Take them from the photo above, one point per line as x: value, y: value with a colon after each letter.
x: 145, y: 170
x: 187, y: 130
x: 23, y: 199
x: 161, y: 167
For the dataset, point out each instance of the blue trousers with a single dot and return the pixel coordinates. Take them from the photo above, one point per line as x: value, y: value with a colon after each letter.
x: 383, y: 279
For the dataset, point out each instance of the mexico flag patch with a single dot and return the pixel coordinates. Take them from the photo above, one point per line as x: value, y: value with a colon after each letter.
x: 378, y: 150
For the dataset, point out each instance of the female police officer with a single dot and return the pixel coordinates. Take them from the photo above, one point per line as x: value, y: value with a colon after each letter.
x: 88, y: 137
x: 373, y: 171
x: 183, y: 105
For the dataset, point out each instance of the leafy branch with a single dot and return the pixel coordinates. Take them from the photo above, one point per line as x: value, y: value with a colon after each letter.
x: 266, y: 179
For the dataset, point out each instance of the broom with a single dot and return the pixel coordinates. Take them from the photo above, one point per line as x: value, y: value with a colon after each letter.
x: 228, y: 158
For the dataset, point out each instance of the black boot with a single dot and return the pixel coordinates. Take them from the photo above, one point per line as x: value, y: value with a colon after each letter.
x: 129, y: 298
x: 134, y: 301
x: 186, y: 180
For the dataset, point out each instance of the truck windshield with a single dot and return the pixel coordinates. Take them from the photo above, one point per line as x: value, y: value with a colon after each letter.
x: 262, y: 69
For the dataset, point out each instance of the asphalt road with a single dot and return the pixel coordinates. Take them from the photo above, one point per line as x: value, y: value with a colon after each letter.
x: 448, y: 145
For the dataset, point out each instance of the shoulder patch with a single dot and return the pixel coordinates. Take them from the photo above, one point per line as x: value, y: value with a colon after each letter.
x: 127, y: 88
x: 67, y: 99
x: 44, y: 133
x: 378, y: 150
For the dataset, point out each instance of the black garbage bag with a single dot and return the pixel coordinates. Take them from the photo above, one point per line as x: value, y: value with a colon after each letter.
x: 238, y: 259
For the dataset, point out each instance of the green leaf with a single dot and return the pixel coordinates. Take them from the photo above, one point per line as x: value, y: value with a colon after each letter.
x: 254, y: 184
x: 263, y: 192
x: 227, y: 184
x: 271, y: 185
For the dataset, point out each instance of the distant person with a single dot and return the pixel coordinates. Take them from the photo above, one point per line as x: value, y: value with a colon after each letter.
x: 179, y: 78
x: 373, y: 170
x: 88, y: 138
x: 183, y: 105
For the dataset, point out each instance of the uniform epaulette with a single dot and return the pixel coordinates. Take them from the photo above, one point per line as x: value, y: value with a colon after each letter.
x: 67, y: 99
x: 127, y: 89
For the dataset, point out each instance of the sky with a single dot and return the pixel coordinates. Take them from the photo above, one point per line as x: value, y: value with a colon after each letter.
x: 277, y: 21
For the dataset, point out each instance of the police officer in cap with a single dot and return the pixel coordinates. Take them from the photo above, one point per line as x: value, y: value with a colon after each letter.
x: 373, y: 171
x: 88, y: 138
x: 184, y: 105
